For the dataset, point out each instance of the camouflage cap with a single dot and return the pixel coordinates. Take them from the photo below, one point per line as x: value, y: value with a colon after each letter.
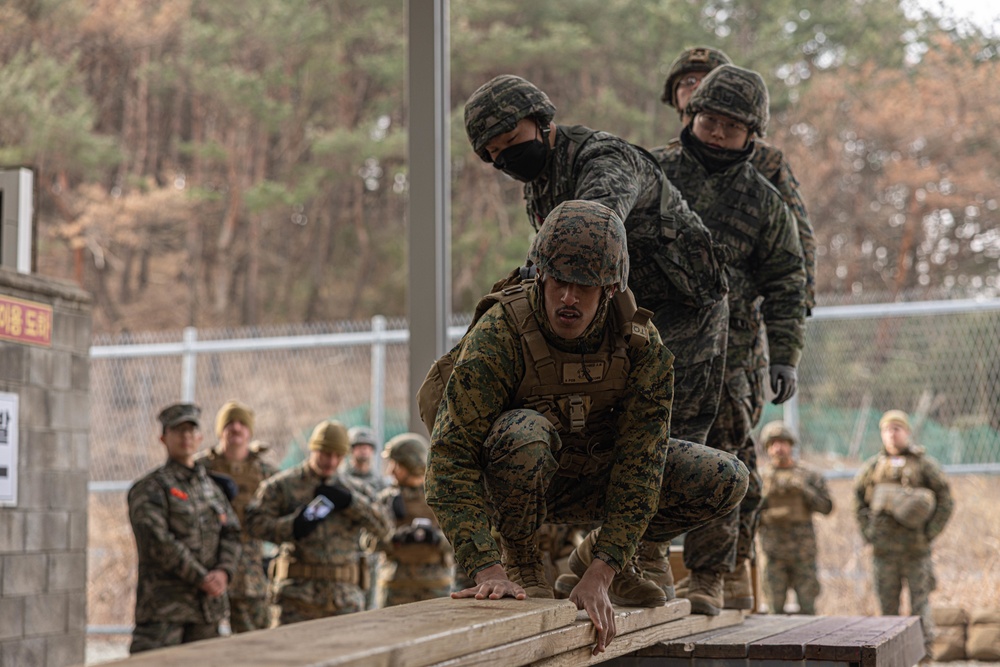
x: 408, y: 450
x: 329, y: 437
x: 695, y: 59
x: 498, y: 105
x: 776, y: 430
x: 735, y: 92
x: 233, y: 411
x: 180, y: 413
x: 361, y: 435
x: 894, y: 417
x: 582, y: 242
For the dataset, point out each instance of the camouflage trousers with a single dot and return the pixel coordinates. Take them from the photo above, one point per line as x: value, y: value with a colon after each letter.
x: 524, y: 491
x: 719, y: 545
x: 412, y: 582
x: 891, y: 570
x: 699, y: 351
x: 148, y: 636
x: 336, y: 599
x: 798, y: 575
x: 249, y: 614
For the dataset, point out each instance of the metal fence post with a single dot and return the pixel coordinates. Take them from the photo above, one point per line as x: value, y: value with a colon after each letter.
x: 189, y: 365
x: 377, y: 401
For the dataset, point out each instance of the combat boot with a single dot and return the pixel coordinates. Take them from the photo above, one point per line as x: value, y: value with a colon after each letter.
x: 654, y: 561
x: 565, y: 583
x: 523, y: 563
x: 628, y: 588
x: 704, y: 590
x: 738, y: 588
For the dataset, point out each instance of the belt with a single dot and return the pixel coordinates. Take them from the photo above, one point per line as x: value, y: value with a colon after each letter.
x: 340, y: 572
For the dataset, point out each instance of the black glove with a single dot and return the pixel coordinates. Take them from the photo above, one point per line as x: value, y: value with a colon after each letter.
x: 227, y: 484
x: 783, y: 381
x: 341, y: 496
x: 399, y: 507
x: 303, y: 526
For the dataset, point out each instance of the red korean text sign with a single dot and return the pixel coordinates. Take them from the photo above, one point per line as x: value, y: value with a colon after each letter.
x: 25, y: 321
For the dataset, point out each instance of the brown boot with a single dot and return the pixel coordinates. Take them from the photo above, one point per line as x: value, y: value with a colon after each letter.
x: 565, y: 583
x: 738, y: 588
x: 523, y: 563
x: 628, y: 588
x: 654, y: 561
x: 704, y: 590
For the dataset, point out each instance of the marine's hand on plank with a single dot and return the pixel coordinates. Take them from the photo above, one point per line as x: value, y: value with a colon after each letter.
x: 492, y: 583
x: 591, y: 595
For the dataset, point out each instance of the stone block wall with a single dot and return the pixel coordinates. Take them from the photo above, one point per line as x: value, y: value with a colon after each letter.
x: 43, y: 539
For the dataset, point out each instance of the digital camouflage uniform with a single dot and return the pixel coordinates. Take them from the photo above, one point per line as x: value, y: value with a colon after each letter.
x: 787, y: 535
x: 766, y: 287
x: 325, y: 568
x: 513, y: 451
x: 184, y: 527
x: 373, y: 479
x: 249, y: 608
x: 418, y: 557
x: 598, y: 166
x: 900, y: 552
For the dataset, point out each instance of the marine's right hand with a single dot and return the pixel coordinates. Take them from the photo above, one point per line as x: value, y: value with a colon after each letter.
x: 492, y: 583
x: 303, y: 526
x: 591, y: 595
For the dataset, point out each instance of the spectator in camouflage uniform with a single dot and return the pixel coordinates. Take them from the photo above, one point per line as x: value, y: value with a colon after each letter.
x: 902, y: 503
x: 792, y: 492
x: 686, y: 73
x: 361, y: 464
x: 711, y: 168
x: 676, y: 273
x: 235, y: 457
x: 188, y: 539
x: 318, y: 515
x: 557, y: 409
x: 419, y: 557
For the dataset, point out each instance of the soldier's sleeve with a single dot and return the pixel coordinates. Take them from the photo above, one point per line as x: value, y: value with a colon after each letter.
x: 816, y: 493
x: 773, y: 165
x: 944, y: 504
x: 780, y: 277
x: 861, y: 508
x: 609, y: 171
x: 477, y: 392
x: 269, y: 516
x: 641, y: 448
x: 230, y: 540
x: 147, y: 511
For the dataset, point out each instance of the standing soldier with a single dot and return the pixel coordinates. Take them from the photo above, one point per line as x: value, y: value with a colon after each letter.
x: 188, y: 539
x: 236, y: 457
x: 419, y: 557
x: 361, y: 464
x: 557, y: 409
x: 902, y: 502
x: 792, y: 492
x: 676, y: 273
x: 686, y: 73
x: 318, y: 516
x: 711, y: 168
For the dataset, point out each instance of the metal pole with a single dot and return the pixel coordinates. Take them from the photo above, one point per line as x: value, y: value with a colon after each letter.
x: 189, y: 365
x: 429, y: 190
x: 377, y: 401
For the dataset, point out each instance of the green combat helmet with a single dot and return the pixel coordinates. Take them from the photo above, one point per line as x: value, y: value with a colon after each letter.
x: 583, y: 243
x: 776, y: 430
x: 695, y: 59
x: 498, y: 105
x: 408, y: 450
x: 735, y: 92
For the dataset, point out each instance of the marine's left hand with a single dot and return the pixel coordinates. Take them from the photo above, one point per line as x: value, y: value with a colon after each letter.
x: 591, y: 595
x: 783, y: 382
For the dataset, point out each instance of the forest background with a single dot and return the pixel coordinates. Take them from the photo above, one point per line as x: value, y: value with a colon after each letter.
x: 221, y: 164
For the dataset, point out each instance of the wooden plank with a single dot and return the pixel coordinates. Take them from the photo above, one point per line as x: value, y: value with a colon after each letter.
x: 410, y: 635
x: 844, y: 645
x: 900, y: 646
x: 736, y: 642
x: 791, y: 644
x: 634, y: 641
x: 578, y: 634
x: 683, y: 646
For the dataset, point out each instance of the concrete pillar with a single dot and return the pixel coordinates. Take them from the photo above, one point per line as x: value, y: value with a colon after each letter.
x: 45, y: 330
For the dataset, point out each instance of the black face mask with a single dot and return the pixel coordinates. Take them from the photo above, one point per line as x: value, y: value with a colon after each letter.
x: 523, y: 161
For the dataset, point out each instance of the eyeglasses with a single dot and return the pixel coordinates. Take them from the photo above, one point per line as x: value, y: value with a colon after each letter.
x: 712, y: 123
x: 690, y: 81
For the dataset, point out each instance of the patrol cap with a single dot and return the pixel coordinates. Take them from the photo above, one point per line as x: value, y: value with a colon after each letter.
x: 180, y: 413
x: 361, y: 435
x: 776, y: 430
x: 233, y: 411
x: 894, y: 417
x: 329, y: 437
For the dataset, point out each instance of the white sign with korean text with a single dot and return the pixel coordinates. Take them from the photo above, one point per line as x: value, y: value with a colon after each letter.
x: 8, y: 448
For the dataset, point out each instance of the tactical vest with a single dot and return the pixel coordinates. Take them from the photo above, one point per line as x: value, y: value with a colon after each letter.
x: 248, y: 474
x: 785, y: 506
x: 415, y: 507
x: 889, y: 480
